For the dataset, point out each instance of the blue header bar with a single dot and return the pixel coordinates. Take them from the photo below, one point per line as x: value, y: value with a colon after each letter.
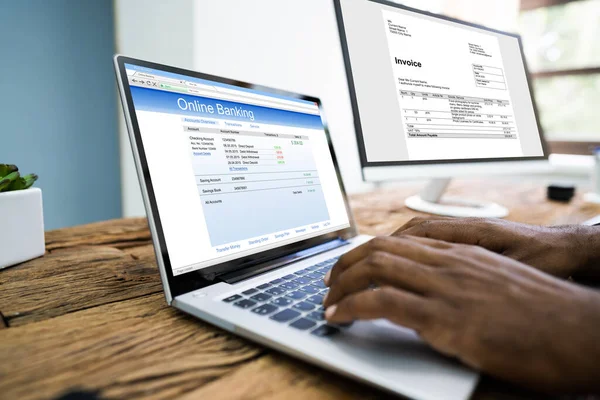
x: 145, y: 99
x: 171, y: 75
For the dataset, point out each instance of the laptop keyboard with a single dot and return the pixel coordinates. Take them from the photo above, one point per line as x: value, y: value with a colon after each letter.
x: 294, y: 299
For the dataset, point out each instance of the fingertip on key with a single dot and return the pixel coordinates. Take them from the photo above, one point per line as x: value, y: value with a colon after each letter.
x: 327, y: 278
x: 330, y: 311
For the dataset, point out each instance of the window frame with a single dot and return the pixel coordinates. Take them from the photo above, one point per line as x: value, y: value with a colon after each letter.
x: 561, y: 146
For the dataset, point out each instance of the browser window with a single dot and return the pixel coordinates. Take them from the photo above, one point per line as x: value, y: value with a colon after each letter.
x: 234, y: 170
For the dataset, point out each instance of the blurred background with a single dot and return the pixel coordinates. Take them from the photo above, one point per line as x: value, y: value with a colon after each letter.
x: 60, y: 115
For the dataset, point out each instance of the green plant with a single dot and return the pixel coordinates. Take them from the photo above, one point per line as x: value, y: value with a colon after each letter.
x: 11, y: 179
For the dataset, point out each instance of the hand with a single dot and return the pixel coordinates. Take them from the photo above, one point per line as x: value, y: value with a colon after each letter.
x: 560, y: 250
x: 491, y: 312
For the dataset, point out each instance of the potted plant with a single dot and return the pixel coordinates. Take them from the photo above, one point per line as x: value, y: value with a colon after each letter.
x: 21, y: 218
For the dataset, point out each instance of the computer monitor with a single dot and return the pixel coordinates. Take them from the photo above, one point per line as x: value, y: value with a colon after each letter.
x: 435, y: 97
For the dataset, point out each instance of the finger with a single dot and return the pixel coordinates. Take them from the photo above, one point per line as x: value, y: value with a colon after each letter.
x: 382, y: 269
x: 417, y: 221
x: 466, y: 231
x: 347, y: 260
x: 436, y: 243
x: 415, y: 250
x: 398, y: 306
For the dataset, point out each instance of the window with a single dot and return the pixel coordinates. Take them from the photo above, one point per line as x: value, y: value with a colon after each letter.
x: 562, y: 48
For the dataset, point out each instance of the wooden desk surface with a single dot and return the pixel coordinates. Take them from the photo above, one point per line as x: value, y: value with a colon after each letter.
x: 90, y: 315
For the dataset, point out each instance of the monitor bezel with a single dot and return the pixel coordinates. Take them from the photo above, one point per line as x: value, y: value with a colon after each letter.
x: 197, y: 279
x: 354, y: 102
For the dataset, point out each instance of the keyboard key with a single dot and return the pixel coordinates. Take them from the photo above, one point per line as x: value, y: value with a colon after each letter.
x: 323, y: 270
x: 302, y: 280
x: 304, y: 306
x: 315, y: 267
x: 301, y: 272
x: 316, y: 299
x: 325, y: 330
x: 282, y: 301
x: 289, y: 277
x: 261, y: 297
x: 296, y: 295
x: 289, y: 285
x: 232, y: 298
x: 264, y: 309
x: 245, y: 303
x: 320, y: 284
x: 277, y: 281
x: 310, y: 289
x: 285, y: 315
x: 249, y: 291
x: 263, y: 286
x: 303, y: 324
x: 275, y: 291
x: 317, y: 315
x: 315, y: 275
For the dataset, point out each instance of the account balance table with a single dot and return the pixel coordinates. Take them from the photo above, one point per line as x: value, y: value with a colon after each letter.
x: 89, y: 318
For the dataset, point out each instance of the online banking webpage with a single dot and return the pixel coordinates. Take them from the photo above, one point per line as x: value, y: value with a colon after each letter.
x: 235, y: 171
x: 431, y: 89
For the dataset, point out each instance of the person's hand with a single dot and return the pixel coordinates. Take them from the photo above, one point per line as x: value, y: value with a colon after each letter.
x: 560, y: 251
x: 491, y: 312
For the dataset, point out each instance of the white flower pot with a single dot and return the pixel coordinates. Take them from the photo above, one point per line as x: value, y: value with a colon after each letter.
x: 21, y: 226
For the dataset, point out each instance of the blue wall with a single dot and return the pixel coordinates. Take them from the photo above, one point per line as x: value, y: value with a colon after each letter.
x: 58, y: 107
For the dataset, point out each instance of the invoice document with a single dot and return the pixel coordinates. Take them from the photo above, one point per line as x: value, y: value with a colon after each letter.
x: 452, y: 90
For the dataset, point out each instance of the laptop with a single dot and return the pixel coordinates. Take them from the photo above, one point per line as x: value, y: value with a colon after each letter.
x: 248, y: 212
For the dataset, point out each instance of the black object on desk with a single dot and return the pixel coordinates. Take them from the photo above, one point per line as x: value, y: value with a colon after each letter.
x: 560, y: 192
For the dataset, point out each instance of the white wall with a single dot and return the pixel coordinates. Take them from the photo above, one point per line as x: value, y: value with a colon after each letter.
x: 155, y: 30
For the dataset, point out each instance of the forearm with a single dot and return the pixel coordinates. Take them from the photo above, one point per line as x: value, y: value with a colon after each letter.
x: 575, y: 348
x: 588, y: 242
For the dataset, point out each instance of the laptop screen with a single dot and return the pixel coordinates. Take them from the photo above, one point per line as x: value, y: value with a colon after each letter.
x: 235, y: 171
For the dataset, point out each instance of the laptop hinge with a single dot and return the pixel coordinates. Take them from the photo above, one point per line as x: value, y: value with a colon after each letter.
x: 250, y: 272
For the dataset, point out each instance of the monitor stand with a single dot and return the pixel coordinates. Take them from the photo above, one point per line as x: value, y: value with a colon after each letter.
x: 430, y: 201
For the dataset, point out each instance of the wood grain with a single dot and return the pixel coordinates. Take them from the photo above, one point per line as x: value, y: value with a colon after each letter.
x: 72, y: 279
x: 144, y: 254
x: 129, y: 349
x: 119, y: 233
x: 277, y: 376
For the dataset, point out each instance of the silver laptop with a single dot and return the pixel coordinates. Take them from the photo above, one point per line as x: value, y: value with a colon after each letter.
x: 248, y: 212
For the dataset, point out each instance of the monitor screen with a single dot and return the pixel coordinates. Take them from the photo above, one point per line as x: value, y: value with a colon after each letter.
x: 235, y: 171
x: 426, y: 88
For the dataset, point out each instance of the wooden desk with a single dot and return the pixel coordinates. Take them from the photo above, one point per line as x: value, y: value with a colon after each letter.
x: 90, y: 315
